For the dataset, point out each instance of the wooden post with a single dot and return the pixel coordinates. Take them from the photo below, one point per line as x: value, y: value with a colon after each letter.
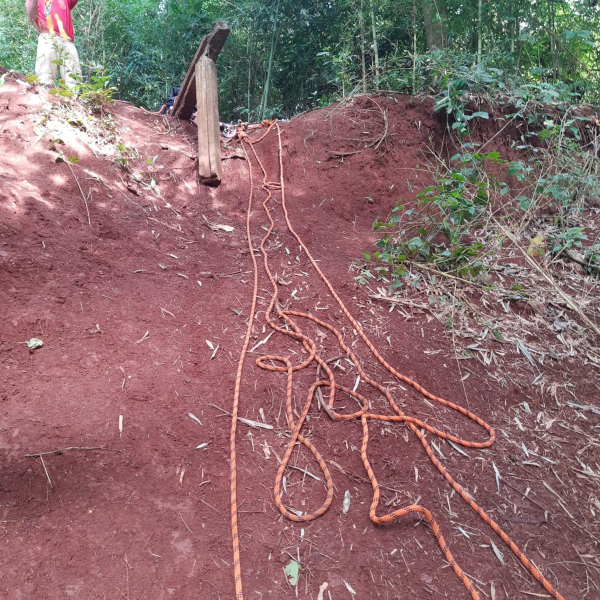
x: 199, y: 88
x: 207, y: 119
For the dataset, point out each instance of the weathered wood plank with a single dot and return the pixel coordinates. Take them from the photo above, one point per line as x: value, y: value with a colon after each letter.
x: 207, y: 119
x: 210, y: 46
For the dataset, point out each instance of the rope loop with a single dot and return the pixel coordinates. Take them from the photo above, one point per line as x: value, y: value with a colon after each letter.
x: 364, y: 412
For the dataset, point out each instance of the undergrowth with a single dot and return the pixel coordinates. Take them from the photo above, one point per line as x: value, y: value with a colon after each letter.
x: 81, y: 113
x: 443, y: 228
x: 96, y: 92
x: 455, y: 223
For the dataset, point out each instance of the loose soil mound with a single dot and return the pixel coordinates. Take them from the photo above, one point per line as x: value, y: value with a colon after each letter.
x: 142, y: 310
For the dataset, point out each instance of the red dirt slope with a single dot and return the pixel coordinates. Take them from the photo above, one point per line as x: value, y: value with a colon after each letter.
x: 142, y: 311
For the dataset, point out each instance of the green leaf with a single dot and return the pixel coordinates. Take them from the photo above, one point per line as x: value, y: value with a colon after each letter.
x: 367, y: 257
x: 414, y: 244
x: 497, y: 335
x: 73, y: 159
x: 481, y: 115
x: 61, y: 92
x: 293, y: 572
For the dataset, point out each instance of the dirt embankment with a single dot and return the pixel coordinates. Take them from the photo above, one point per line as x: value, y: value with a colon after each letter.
x: 142, y: 305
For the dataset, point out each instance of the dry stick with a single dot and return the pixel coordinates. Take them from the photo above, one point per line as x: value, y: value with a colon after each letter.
x: 527, y: 497
x: 127, y: 571
x: 547, y: 277
x: 186, y: 525
x: 209, y: 505
x: 82, y: 194
x: 462, y: 381
x: 40, y: 454
x: 393, y: 300
x: 248, y: 422
x: 165, y: 224
x: 46, y: 470
x: 448, y: 275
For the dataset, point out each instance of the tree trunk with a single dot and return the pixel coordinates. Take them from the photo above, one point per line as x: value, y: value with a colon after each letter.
x: 513, y: 28
x: 519, y: 45
x: 479, y: 42
x: 362, y: 47
x: 552, y: 34
x: 270, y: 67
x: 414, y: 23
x: 249, y: 76
x: 375, y: 49
x: 435, y: 18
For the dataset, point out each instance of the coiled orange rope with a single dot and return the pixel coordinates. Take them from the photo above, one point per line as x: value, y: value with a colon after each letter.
x: 418, y: 427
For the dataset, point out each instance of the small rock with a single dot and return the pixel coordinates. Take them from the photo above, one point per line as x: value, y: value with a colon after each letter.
x: 34, y: 344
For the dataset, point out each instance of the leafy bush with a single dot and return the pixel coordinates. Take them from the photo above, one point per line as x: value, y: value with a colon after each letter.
x: 442, y: 228
x: 97, y: 93
x: 559, y: 173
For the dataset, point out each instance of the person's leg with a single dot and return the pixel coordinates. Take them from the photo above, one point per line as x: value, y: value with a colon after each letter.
x: 45, y: 68
x: 70, y: 64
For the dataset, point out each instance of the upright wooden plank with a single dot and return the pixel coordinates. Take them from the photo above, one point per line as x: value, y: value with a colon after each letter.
x: 211, y: 45
x: 207, y: 119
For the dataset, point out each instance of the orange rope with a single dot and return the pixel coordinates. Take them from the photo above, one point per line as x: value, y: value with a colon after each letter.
x: 417, y: 426
x: 236, y: 394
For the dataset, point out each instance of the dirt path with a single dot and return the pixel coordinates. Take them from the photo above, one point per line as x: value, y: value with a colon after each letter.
x: 143, y: 314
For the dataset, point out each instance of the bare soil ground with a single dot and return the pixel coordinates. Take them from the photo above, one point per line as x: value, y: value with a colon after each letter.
x: 142, y: 309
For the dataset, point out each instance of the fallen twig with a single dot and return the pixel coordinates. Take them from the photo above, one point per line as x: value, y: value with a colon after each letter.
x: 82, y: 194
x: 248, y: 422
x: 177, y: 229
x: 183, y: 521
x: 547, y: 277
x: 443, y: 274
x: 46, y: 470
x: 73, y: 448
x: 306, y: 472
x: 399, y: 301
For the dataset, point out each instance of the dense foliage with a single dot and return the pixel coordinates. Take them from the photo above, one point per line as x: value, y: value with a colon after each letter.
x: 283, y: 57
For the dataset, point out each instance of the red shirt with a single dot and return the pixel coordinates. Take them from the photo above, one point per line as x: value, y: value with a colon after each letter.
x: 58, y: 20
